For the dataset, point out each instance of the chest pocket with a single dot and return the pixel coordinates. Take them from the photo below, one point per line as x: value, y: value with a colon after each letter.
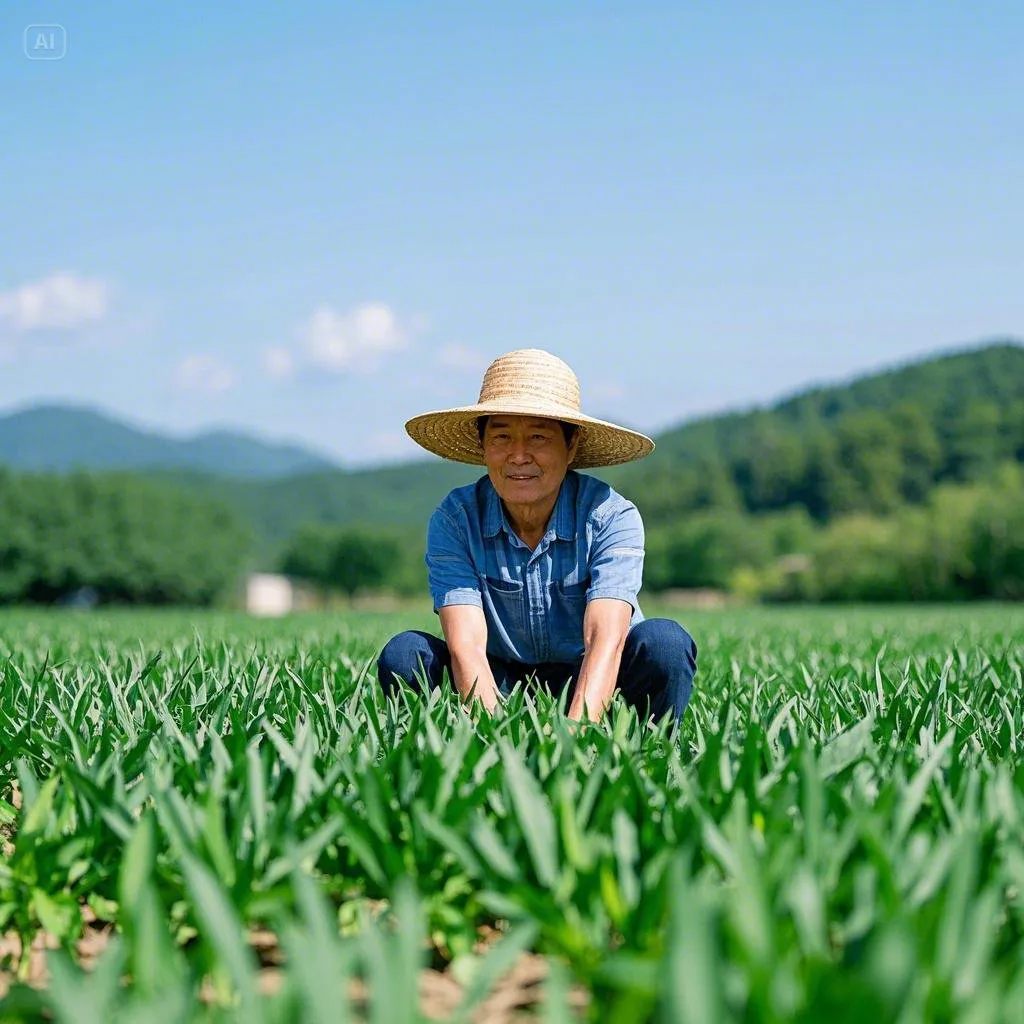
x: 508, y: 598
x: 569, y: 598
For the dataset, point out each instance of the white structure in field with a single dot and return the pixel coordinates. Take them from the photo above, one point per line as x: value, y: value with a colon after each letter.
x: 268, y: 594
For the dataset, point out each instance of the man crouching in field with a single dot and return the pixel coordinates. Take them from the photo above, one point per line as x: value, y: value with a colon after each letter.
x: 535, y: 568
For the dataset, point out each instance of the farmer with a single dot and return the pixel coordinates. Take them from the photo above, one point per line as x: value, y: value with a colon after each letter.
x: 535, y: 569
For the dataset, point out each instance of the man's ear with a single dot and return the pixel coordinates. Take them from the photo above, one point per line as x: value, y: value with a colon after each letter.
x: 573, y: 445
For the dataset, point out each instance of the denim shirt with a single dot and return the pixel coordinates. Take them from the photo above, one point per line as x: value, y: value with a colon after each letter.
x: 533, y: 601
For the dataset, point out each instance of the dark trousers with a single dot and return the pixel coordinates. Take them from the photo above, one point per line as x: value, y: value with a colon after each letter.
x: 656, y: 672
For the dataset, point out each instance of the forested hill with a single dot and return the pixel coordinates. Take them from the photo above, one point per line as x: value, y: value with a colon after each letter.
x: 873, y: 444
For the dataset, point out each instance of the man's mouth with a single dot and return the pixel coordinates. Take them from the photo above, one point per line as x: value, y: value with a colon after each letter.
x: 521, y: 476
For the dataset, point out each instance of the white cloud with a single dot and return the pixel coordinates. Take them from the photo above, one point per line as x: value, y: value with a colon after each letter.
x: 279, y: 362
x: 338, y: 342
x: 341, y: 342
x: 204, y: 373
x: 463, y: 359
x: 62, y: 301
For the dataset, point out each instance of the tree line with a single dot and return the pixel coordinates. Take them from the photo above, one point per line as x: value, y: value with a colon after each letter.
x: 115, y: 539
x: 963, y: 542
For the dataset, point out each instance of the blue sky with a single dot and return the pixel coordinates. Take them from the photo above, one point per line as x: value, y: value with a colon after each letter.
x: 311, y: 222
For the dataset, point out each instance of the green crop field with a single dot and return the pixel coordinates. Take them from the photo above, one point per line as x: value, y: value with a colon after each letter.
x: 208, y: 817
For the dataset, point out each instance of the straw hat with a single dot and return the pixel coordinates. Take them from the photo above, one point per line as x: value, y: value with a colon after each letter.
x: 527, y: 382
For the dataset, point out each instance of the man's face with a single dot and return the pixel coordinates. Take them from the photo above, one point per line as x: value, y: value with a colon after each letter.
x: 527, y: 458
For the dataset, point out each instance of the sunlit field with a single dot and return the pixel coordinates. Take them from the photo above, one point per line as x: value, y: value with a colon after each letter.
x: 211, y: 817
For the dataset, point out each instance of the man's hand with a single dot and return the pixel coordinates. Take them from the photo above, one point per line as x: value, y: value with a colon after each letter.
x: 465, y: 632
x: 605, y: 625
x: 490, y: 698
x: 494, y: 701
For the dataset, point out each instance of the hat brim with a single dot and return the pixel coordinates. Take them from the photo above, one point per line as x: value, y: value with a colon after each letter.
x: 452, y: 433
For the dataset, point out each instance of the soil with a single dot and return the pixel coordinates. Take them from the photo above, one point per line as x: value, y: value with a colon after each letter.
x: 516, y: 998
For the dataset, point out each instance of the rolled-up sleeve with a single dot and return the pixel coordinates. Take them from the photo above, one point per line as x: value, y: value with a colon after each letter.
x: 617, y: 556
x: 450, y: 572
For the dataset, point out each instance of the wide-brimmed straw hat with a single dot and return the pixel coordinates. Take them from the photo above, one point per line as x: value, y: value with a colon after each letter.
x: 527, y: 382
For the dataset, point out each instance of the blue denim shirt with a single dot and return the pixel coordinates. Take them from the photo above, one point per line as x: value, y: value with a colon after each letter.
x: 534, y: 601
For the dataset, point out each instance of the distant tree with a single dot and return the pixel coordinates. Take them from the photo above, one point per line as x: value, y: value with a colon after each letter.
x: 869, y: 451
x: 973, y: 436
x: 666, y: 495
x: 310, y: 553
x: 920, y: 451
x: 855, y: 561
x: 1013, y: 430
x: 361, y: 560
x: 789, y: 532
x: 344, y: 558
x: 828, y: 487
x: 704, y: 550
x: 771, y: 469
x: 997, y: 538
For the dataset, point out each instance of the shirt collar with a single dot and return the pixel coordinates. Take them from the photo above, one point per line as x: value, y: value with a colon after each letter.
x: 563, y: 516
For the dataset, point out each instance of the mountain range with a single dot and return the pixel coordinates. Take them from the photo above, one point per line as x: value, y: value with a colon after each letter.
x: 57, y: 438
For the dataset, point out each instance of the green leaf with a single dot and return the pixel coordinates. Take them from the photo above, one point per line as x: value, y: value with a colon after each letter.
x: 493, y: 852
x: 533, y: 815
x: 58, y: 914
x: 556, y: 1008
x: 39, y: 812
x: 627, y: 855
x: 693, y: 956
x: 220, y: 926
x: 913, y: 795
x: 137, y: 864
x: 320, y: 966
x: 78, y: 997
x: 847, y: 747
